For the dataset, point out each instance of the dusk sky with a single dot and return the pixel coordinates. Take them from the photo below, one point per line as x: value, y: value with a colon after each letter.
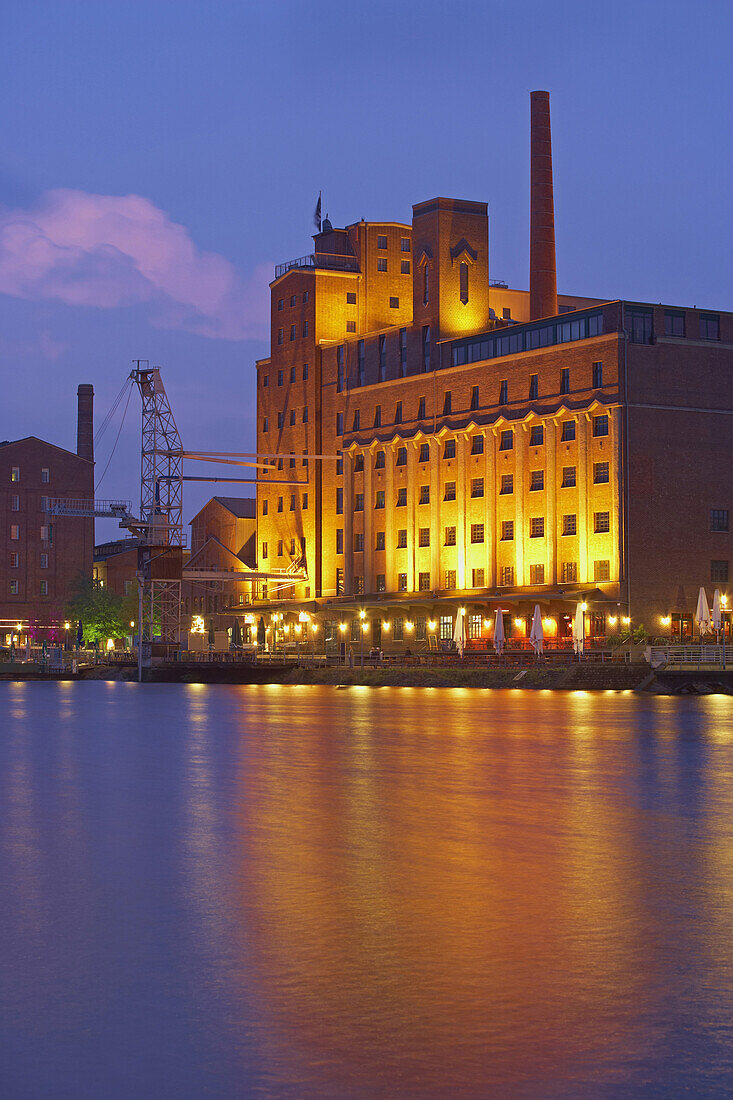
x: 159, y: 158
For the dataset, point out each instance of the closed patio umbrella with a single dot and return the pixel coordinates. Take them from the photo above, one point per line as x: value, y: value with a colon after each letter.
x: 579, y: 630
x: 499, y: 631
x: 717, y: 618
x: 702, y: 613
x: 459, y: 633
x: 261, y: 632
x: 236, y: 635
x: 536, y: 634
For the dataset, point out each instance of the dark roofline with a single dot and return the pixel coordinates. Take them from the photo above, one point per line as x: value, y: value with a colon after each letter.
x: 27, y: 438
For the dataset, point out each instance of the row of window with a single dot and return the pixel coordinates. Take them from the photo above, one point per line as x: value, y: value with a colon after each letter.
x: 293, y: 300
x: 293, y: 332
x: 511, y: 342
x: 281, y: 418
x: 405, y: 245
x: 281, y: 376
x: 46, y: 532
x: 569, y: 526
x: 293, y: 503
x: 15, y: 588
x: 15, y: 560
x: 404, y: 265
x: 640, y: 324
x: 600, y: 429
x: 569, y: 574
x: 281, y: 545
x: 45, y: 474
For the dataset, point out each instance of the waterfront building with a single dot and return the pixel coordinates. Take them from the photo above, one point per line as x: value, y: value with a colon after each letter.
x: 42, y: 559
x: 487, y: 447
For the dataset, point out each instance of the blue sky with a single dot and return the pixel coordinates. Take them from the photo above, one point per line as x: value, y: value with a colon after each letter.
x: 223, y: 120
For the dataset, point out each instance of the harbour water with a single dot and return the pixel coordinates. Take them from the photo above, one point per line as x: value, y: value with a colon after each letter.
x: 308, y: 892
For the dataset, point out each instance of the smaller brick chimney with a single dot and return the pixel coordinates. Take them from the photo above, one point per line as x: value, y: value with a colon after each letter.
x: 85, y: 422
x: 542, y: 275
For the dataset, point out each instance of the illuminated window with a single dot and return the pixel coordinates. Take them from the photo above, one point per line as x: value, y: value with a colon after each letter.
x: 339, y: 582
x: 15, y: 473
x: 536, y: 480
x: 401, y: 585
x: 399, y: 624
x: 477, y: 487
x: 600, y: 473
x: 450, y: 582
x: 424, y: 452
x: 507, y: 530
x: 14, y: 561
x: 381, y: 582
x: 450, y: 490
x: 568, y: 431
x: 381, y: 242
x: 536, y: 574
x: 405, y: 267
x: 402, y: 497
x: 424, y: 494
x: 13, y: 588
x: 506, y: 440
x: 477, y: 581
x: 601, y: 571
x: 382, y: 264
x: 380, y: 541
x: 506, y: 576
x: 537, y: 527
x: 358, y: 588
x: 424, y: 536
x: 423, y: 582
x: 570, y: 525
x: 565, y: 380
x: 449, y: 451
x: 533, y: 387
x: 477, y: 532
x: 402, y: 539
x: 507, y: 484
x: 568, y: 477
x: 569, y: 572
x: 601, y: 522
x: 450, y: 536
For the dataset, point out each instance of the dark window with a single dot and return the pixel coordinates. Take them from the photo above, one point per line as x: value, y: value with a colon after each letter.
x: 568, y: 431
x: 423, y: 582
x: 305, y: 372
x: 536, y: 574
x: 536, y: 480
x: 292, y: 502
x: 381, y: 582
x: 507, y: 530
x: 421, y: 409
x: 358, y: 542
x: 280, y: 303
x: 426, y: 347
x: 477, y: 487
x: 477, y: 445
x: 506, y: 313
x: 339, y: 423
x: 380, y: 541
x: 537, y: 527
x: 279, y: 504
x: 477, y: 581
x: 424, y: 494
x: 565, y: 380
x: 394, y: 303
x: 463, y: 279
x: 265, y: 425
x: 305, y: 328
x: 600, y: 473
x: 358, y: 459
x: 398, y: 413
x: 292, y: 417
x: 425, y: 285
x: 507, y: 484
x: 382, y: 264
x: 402, y: 539
x: 405, y: 244
x: 639, y: 324
x: 279, y: 378
x: 381, y: 242
x: 477, y: 532
x: 378, y: 416
x: 570, y: 525
x: 450, y: 536
x: 266, y: 381
x: 601, y: 522
x: 506, y: 576
x: 474, y: 398
x: 597, y: 375
x: 379, y: 460
x: 382, y: 358
x: 292, y: 333
x: 503, y: 392
x: 351, y: 298
x: 536, y: 435
x: 402, y: 497
x: 264, y: 507
x: 401, y: 456
x: 280, y: 419
x: 264, y: 549
x: 600, y: 425
x: 450, y: 490
x: 360, y: 361
x: 339, y: 502
x: 447, y: 402
x: 340, y: 372
x: 533, y: 387
x: 601, y: 571
x: 506, y: 440
x: 293, y: 299
x: 719, y: 519
x: 351, y: 326
x: 403, y: 352
x: 709, y: 326
x: 674, y: 323
x: 449, y: 451
x: 379, y: 503
x: 405, y: 267
x: 424, y: 452
x: 718, y: 570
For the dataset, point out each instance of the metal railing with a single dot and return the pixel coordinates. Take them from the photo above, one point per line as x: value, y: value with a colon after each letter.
x: 681, y: 657
x: 329, y: 260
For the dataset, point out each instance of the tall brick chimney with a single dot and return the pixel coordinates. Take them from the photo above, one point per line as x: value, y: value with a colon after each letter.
x: 542, y: 274
x: 85, y: 422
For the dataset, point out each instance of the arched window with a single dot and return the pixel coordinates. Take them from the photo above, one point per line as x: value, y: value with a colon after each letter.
x: 425, y: 285
x: 463, y: 275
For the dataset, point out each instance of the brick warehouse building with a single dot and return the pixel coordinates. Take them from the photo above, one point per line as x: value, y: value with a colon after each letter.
x: 42, y: 558
x: 486, y: 447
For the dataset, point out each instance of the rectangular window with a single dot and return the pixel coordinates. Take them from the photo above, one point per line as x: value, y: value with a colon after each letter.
x: 424, y: 537
x: 536, y: 480
x: 718, y: 570
x: 381, y: 241
x: 507, y: 530
x: 402, y: 497
x: 601, y: 570
x: 305, y: 372
x: 292, y: 332
x: 536, y: 435
x: 44, y: 561
x: 402, y: 539
x: 15, y: 473
x: 421, y: 409
x: 503, y: 392
x: 45, y: 475
x: 403, y: 352
x: 450, y: 583
x: 394, y: 303
x: 340, y: 370
x: 265, y: 425
x: 537, y: 527
x: 15, y: 503
x: 398, y: 413
x: 279, y: 504
x: 360, y: 361
x: 506, y: 576
x: 600, y: 473
x: 570, y: 524
x: 280, y: 340
x: 506, y: 440
x: 401, y: 456
x: 266, y: 381
x: 44, y: 588
x: 305, y: 328
x: 597, y: 375
x: 264, y: 507
x: 350, y: 298
x: 447, y: 403
x: 378, y: 416
x: 477, y: 532
x: 339, y: 582
x: 424, y: 452
x: 474, y: 398
x: 601, y: 522
x: 305, y: 414
x: 405, y: 267
x: 449, y: 450
x: 356, y: 425
x: 426, y: 348
x: 568, y: 431
x: 292, y: 417
x: 379, y: 503
x: 379, y: 460
x: 14, y: 560
x: 381, y: 582
x: 279, y: 548
x: 280, y: 303
x: 477, y: 487
x: 674, y: 323
x: 450, y: 490
x: 382, y: 263
x: 358, y: 543
x: 568, y: 477
x: 463, y: 281
x: 339, y: 423
x: 569, y: 572
x: 13, y: 588
x: 339, y: 501
x: 358, y: 502
x: 719, y: 519
x: 380, y: 544
x: 533, y: 387
x: 477, y: 445
x: 507, y: 484
x: 405, y: 244
x: 600, y: 425
x: 264, y: 550
x: 401, y: 583
x: 565, y: 380
x: 280, y: 420
x: 382, y: 358
x: 536, y: 574
x: 450, y: 536
x: 709, y: 326
x: 424, y: 494
x: 639, y: 325
x: 339, y: 540
x: 305, y: 502
x: 423, y: 582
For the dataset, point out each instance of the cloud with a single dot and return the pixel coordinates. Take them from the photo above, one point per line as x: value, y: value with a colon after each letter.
x: 42, y: 346
x: 111, y: 251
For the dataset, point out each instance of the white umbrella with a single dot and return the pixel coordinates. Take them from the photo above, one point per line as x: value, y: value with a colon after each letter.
x: 717, y: 610
x: 499, y: 631
x: 459, y: 633
x: 579, y: 629
x: 536, y: 635
x: 702, y: 613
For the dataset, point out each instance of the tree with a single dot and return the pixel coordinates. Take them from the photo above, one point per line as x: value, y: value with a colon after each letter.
x: 103, y: 614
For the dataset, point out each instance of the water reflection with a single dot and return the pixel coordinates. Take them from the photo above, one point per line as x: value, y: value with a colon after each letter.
x: 309, y: 892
